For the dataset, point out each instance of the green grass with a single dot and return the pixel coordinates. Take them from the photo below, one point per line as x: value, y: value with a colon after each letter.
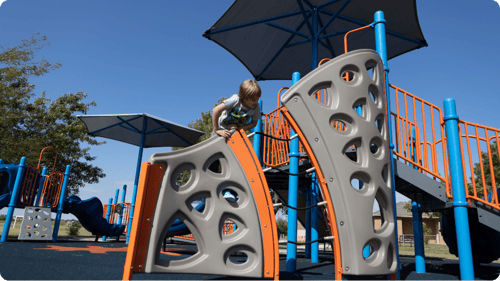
x: 63, y: 229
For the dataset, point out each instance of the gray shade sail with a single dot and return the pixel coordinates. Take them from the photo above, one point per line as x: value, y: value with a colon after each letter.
x: 128, y: 128
x: 273, y: 38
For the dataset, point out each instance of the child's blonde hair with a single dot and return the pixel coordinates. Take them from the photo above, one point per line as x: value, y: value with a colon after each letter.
x: 249, y: 89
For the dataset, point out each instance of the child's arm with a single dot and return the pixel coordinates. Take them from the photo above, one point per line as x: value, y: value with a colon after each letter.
x: 216, y: 112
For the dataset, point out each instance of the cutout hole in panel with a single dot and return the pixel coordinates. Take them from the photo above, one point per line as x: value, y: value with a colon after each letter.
x: 351, y: 150
x: 341, y: 123
x: 385, y: 172
x: 390, y: 256
x: 199, y: 202
x: 44, y: 235
x: 177, y: 230
x: 230, y: 195
x: 30, y: 210
x: 360, y: 181
x: 36, y: 225
x: 371, y: 249
x: 229, y: 227
x: 322, y: 93
x: 44, y: 228
x: 36, y: 232
x: 380, y: 124
x: 216, y: 164
x: 239, y: 257
x: 183, y: 176
x: 360, y: 108
x: 349, y: 74
x: 374, y: 94
x: 233, y: 194
x: 376, y: 147
x: 371, y: 67
x: 380, y: 203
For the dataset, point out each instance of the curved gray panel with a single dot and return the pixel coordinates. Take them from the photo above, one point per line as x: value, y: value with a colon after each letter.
x: 341, y: 163
x: 174, y: 202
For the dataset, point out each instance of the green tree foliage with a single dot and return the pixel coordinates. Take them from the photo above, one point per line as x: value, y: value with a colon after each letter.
x: 74, y: 228
x: 487, y: 172
x: 28, y: 125
x: 282, y: 225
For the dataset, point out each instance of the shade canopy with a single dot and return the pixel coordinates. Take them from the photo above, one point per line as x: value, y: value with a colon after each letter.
x: 129, y: 128
x: 274, y: 38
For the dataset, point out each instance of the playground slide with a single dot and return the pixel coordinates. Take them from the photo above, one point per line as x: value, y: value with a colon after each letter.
x: 4, y: 200
x: 89, y: 213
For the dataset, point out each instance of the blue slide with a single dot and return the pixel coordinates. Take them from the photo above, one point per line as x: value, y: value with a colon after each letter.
x: 4, y: 200
x: 89, y: 213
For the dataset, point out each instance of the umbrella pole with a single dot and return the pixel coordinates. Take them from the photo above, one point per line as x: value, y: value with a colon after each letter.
x: 137, y: 173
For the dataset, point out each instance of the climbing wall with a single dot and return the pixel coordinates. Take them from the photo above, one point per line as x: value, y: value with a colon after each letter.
x: 173, y: 183
x: 348, y: 137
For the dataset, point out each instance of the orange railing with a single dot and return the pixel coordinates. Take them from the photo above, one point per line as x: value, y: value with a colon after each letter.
x: 418, y: 134
x: 114, y: 217
x: 479, y: 146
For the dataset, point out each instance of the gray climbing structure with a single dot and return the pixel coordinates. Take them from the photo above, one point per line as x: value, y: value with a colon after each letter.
x: 213, y: 166
x: 350, y: 147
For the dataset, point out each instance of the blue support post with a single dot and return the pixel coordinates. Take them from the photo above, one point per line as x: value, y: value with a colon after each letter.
x: 314, y: 219
x: 257, y: 138
x: 460, y: 203
x: 117, y: 193
x: 123, y: 200
x: 418, y: 237
x: 380, y: 42
x: 293, y: 189
x: 13, y: 199
x: 108, y: 214
x: 308, y: 194
x: 136, y: 181
x: 40, y: 187
x: 61, y: 203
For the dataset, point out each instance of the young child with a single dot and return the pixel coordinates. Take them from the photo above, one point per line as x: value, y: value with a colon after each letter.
x: 235, y: 112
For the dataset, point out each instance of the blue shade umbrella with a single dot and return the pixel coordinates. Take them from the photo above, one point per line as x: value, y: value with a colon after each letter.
x: 140, y: 129
x: 274, y: 38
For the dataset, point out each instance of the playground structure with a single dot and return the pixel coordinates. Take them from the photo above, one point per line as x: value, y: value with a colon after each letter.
x: 42, y: 193
x: 337, y: 122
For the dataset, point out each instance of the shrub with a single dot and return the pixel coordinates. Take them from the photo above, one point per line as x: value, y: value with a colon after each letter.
x: 74, y: 228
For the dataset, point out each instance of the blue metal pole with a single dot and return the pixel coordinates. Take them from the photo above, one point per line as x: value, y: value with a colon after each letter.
x: 108, y: 214
x: 137, y: 173
x: 293, y: 189
x: 61, y: 203
x: 460, y: 203
x: 117, y: 193
x: 257, y: 138
x: 380, y: 42
x: 418, y: 236
x: 124, y: 192
x: 13, y: 199
x: 314, y: 219
x: 308, y: 223
x: 40, y: 187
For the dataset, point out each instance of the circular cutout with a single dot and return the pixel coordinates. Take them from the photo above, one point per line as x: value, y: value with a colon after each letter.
x: 377, y: 147
x: 183, y: 177
x: 349, y: 74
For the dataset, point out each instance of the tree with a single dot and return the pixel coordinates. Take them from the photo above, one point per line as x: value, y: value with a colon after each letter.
x: 27, y: 125
x: 487, y: 173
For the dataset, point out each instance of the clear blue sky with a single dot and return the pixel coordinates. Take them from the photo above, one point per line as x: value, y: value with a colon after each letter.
x: 150, y: 57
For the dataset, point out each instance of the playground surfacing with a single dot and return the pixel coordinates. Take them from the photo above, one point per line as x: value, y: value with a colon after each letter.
x: 89, y: 260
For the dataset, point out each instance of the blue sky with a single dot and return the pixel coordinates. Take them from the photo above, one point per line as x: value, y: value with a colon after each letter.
x: 150, y: 57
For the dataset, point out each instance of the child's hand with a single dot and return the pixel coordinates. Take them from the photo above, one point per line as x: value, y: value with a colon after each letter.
x: 223, y: 133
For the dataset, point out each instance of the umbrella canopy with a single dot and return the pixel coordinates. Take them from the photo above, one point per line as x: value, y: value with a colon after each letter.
x: 274, y: 38
x: 130, y: 128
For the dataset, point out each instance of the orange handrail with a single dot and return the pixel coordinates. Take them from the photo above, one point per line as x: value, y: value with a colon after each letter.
x: 352, y: 31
